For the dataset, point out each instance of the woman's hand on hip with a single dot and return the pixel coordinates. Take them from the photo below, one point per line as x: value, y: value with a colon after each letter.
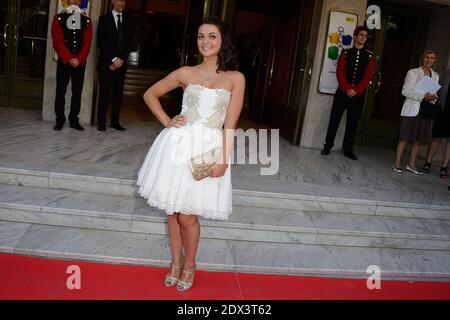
x: 177, y: 121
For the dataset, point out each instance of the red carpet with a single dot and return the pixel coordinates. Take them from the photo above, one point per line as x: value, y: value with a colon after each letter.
x: 23, y: 277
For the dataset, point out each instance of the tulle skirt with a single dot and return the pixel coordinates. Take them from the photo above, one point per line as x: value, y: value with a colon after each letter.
x: 165, y: 179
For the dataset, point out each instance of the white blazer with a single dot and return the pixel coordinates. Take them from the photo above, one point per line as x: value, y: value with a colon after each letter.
x: 411, y: 105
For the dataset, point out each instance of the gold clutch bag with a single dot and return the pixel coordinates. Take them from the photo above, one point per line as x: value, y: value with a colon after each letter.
x: 200, y: 165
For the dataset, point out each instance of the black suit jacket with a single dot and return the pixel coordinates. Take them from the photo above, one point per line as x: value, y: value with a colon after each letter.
x: 107, y: 38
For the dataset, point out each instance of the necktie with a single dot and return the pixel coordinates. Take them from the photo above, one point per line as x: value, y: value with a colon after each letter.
x: 119, y: 22
x: 119, y: 31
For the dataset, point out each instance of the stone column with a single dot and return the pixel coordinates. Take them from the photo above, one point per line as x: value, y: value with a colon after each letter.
x: 318, y: 106
x: 48, y: 109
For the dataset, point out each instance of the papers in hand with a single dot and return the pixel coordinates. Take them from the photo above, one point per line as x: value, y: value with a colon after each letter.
x: 426, y: 84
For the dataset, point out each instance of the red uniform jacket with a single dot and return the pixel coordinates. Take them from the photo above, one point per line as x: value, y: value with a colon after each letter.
x: 342, y: 72
x: 63, y: 52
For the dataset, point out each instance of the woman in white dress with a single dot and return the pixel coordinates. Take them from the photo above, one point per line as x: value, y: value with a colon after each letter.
x: 212, y: 102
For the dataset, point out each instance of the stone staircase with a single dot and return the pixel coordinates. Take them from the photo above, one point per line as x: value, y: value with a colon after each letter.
x: 103, y: 219
x: 137, y: 80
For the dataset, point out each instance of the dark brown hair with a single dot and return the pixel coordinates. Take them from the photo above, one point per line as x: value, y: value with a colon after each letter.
x: 226, y: 58
x: 358, y: 29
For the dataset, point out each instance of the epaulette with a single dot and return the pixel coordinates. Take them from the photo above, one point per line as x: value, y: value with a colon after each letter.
x: 369, y: 52
x: 59, y: 14
x: 86, y: 16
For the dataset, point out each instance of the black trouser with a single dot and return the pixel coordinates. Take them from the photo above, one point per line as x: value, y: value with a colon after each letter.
x: 117, y: 79
x: 65, y: 73
x: 354, y: 108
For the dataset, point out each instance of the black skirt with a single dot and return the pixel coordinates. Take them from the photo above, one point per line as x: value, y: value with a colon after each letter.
x: 415, y: 129
x: 441, y: 126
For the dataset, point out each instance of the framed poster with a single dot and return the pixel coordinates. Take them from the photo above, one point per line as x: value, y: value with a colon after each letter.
x: 339, y: 36
x: 63, y: 4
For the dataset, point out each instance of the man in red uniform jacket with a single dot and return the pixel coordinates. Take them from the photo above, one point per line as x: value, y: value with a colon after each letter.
x: 354, y: 70
x: 72, y: 35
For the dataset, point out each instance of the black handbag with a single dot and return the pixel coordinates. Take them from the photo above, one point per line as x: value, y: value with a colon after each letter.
x: 430, y: 110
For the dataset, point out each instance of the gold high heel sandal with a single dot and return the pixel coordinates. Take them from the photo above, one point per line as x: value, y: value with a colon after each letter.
x: 183, y: 285
x: 170, y: 279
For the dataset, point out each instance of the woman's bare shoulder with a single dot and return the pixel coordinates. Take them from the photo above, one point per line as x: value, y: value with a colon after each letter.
x: 237, y: 78
x: 183, y: 74
x: 184, y: 71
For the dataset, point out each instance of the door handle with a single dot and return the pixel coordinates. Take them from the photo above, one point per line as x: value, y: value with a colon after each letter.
x: 5, y: 35
x: 272, y: 66
x: 186, y: 57
x: 34, y: 38
x: 297, y: 69
x: 186, y: 50
x: 15, y: 36
x: 378, y: 83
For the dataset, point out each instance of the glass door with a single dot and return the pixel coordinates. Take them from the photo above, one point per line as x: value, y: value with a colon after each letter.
x: 24, y: 24
x: 397, y: 47
x: 4, y: 29
x: 283, y: 67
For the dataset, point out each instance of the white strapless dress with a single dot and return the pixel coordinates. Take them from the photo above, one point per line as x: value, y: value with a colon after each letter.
x: 165, y: 179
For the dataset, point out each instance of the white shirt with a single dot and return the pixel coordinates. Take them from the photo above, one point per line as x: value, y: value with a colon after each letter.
x: 116, y: 19
x: 411, y: 105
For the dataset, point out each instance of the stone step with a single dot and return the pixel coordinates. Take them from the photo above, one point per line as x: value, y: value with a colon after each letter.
x: 138, y: 80
x: 139, y: 72
x: 244, y: 194
x: 223, y: 255
x: 132, y: 214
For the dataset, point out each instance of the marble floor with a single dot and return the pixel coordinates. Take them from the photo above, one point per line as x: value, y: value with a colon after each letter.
x: 26, y: 142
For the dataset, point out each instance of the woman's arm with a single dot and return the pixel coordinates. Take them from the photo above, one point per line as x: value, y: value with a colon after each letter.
x: 231, y: 119
x: 174, y: 80
x: 408, y: 86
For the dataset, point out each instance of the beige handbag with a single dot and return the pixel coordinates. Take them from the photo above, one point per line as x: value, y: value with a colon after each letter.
x: 201, y: 165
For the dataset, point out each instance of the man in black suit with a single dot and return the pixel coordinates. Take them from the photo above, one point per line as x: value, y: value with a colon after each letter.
x: 115, y: 39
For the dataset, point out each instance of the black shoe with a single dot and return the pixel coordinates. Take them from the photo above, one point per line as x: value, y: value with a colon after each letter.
x: 426, y: 167
x: 58, y: 126
x: 350, y: 155
x: 325, y: 151
x: 101, y: 127
x: 76, y: 126
x: 117, y: 126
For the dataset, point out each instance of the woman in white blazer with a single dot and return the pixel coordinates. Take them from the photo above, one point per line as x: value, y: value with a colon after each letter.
x: 414, y: 128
